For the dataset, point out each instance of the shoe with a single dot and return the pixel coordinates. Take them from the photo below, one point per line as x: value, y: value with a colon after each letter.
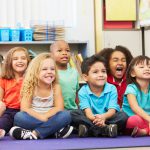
x: 82, y: 130
x: 2, y: 133
x: 21, y: 134
x: 137, y: 132
x: 112, y: 130
x: 64, y: 132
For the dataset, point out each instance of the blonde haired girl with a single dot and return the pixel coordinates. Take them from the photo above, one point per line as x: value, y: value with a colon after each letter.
x: 14, y: 67
x: 41, y: 102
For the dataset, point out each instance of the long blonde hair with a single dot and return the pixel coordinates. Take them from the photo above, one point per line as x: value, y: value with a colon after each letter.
x: 7, y: 69
x: 32, y: 75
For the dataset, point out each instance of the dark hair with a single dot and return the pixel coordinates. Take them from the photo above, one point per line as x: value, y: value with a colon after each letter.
x: 89, y: 61
x: 137, y: 60
x: 106, y: 53
x: 126, y: 52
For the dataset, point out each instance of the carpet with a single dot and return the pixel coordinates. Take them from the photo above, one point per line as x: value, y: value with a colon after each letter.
x: 73, y: 143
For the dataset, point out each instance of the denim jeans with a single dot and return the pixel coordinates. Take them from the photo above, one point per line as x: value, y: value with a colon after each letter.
x: 78, y: 117
x: 44, y: 129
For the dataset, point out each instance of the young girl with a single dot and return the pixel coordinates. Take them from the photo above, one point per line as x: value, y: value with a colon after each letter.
x: 118, y: 61
x: 136, y: 101
x: 41, y: 102
x: 14, y: 67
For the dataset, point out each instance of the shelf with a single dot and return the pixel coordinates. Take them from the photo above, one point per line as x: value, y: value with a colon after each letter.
x: 41, y: 42
x: 43, y: 46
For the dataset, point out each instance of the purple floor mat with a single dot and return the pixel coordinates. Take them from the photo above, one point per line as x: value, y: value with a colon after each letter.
x: 74, y: 143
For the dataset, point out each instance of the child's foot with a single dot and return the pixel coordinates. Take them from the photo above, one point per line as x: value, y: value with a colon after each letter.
x: 2, y: 133
x: 64, y: 132
x: 21, y: 134
x: 138, y: 132
x: 82, y: 130
x: 112, y: 130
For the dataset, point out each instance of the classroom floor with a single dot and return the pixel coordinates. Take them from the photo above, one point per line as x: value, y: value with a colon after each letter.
x: 134, y: 148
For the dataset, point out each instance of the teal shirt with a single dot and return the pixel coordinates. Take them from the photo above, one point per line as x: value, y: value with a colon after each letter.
x: 69, y: 83
x: 143, y: 99
x: 99, y: 104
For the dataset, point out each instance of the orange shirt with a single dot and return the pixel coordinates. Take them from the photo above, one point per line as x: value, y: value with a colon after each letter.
x: 11, y: 89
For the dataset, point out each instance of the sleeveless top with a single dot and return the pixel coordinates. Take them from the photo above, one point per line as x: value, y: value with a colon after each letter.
x: 43, y: 104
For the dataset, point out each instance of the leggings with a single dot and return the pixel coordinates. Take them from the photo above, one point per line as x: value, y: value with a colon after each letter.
x: 137, y: 121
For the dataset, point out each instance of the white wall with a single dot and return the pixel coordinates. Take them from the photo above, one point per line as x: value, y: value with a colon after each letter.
x: 147, y: 42
x: 129, y: 39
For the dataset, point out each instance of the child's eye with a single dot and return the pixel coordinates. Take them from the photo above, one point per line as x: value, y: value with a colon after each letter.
x: 115, y: 60
x: 141, y: 66
x: 15, y: 58
x: 68, y: 50
x: 59, y: 50
x: 103, y: 71
x: 24, y: 58
x: 124, y: 60
x: 52, y: 69
x: 95, y: 71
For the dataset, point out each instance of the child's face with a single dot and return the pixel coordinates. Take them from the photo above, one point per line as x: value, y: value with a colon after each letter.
x: 117, y: 65
x: 47, y: 72
x: 19, y: 62
x: 61, y: 53
x: 141, y: 71
x: 97, y: 75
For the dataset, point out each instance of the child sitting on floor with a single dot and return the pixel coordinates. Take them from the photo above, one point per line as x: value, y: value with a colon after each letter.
x: 42, y: 104
x: 136, y: 102
x: 100, y: 114
x: 14, y: 67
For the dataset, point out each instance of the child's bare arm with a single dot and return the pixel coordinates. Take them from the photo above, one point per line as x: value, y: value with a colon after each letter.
x: 89, y: 114
x: 136, y: 109
x: 2, y: 104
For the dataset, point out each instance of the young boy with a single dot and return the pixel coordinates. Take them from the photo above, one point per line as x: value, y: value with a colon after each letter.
x: 68, y: 77
x: 100, y: 114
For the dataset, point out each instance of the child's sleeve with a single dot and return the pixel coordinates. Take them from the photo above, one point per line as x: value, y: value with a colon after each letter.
x: 113, y: 102
x: 131, y: 89
x: 83, y: 99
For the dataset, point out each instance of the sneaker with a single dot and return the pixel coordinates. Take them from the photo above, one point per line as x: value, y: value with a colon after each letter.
x: 138, y: 132
x: 82, y: 130
x: 112, y: 130
x: 21, y: 134
x: 2, y: 133
x: 64, y: 132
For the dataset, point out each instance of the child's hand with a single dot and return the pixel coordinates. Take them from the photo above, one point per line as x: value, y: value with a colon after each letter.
x: 99, y: 120
x: 2, y: 108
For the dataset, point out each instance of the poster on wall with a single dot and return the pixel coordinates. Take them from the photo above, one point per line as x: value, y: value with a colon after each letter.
x: 144, y: 13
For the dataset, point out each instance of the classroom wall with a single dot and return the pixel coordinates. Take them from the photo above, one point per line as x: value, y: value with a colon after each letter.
x: 147, y: 42
x: 78, y: 16
x: 84, y: 28
x: 129, y: 39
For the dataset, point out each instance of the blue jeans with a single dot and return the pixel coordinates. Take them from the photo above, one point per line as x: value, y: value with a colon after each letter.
x: 44, y: 129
